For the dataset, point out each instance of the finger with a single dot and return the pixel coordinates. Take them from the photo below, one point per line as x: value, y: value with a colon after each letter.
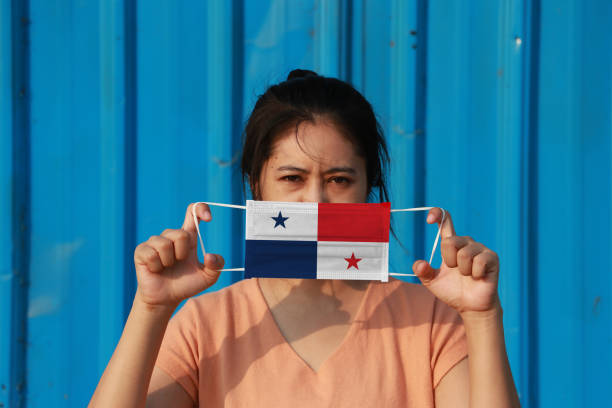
x: 184, y: 242
x: 449, y: 247
x: 148, y: 256
x: 435, y: 215
x: 424, y: 271
x: 165, y: 249
x: 202, y: 213
x: 465, y: 258
x: 484, y: 262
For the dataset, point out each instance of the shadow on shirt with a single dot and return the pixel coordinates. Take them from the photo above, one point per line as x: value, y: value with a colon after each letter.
x: 225, y: 364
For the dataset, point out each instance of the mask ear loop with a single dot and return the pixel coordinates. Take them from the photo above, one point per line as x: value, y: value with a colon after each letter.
x: 195, y: 220
x: 435, y: 245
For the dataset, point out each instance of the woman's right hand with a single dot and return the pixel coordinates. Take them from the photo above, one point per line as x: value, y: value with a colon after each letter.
x: 167, y: 266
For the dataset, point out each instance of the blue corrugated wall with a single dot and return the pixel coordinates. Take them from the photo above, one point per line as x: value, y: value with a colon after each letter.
x: 114, y: 115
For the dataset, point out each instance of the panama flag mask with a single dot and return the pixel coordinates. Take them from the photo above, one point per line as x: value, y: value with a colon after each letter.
x: 317, y: 240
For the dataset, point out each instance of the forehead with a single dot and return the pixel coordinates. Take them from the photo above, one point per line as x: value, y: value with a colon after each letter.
x: 315, y: 143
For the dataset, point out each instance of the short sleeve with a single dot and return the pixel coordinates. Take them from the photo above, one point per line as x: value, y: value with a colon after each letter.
x: 178, y: 355
x: 448, y: 340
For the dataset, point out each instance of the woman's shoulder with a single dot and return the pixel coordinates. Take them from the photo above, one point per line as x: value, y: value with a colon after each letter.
x: 214, y: 315
x: 237, y: 291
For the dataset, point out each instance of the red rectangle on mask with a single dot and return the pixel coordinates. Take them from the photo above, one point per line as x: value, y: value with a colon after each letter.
x: 354, y: 222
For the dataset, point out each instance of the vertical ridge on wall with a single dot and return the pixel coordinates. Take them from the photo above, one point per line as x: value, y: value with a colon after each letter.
x: 21, y: 206
x: 462, y: 85
x: 420, y: 97
x: 237, y: 114
x: 117, y: 171
x: 14, y: 205
x: 331, y: 38
x: 346, y: 54
x: 115, y: 222
x: 376, y: 56
x: 130, y: 39
x: 405, y: 133
x: 238, y: 51
x: 446, y: 92
x: 222, y: 150
x: 357, y: 44
x: 157, y: 87
x: 475, y: 161
x: 559, y: 208
x: 510, y: 189
x: 528, y: 378
x: 6, y: 204
x: 67, y: 119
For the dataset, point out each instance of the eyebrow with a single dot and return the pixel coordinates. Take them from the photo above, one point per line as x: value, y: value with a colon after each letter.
x: 328, y: 171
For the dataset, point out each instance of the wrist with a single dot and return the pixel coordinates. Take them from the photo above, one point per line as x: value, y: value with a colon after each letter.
x: 156, y: 310
x: 491, y: 317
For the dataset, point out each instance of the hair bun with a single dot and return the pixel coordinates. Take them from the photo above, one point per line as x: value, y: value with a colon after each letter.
x: 301, y: 73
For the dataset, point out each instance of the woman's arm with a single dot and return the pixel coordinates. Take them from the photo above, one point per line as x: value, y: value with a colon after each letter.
x: 164, y: 391
x: 491, y: 382
x: 125, y: 381
x: 467, y: 281
x: 168, y: 272
x: 486, y: 373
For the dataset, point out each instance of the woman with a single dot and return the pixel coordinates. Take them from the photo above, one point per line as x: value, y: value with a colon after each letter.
x: 280, y: 342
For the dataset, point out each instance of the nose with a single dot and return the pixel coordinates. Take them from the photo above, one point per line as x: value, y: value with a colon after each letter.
x: 314, y: 192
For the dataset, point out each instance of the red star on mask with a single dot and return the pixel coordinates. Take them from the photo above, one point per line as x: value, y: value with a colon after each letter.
x: 352, y: 261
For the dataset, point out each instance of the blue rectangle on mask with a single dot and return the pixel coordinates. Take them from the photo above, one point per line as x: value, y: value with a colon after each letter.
x: 280, y: 259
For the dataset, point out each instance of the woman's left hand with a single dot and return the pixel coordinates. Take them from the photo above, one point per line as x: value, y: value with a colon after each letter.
x: 467, y: 278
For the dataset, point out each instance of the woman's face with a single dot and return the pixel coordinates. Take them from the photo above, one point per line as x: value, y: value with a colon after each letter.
x: 324, y: 167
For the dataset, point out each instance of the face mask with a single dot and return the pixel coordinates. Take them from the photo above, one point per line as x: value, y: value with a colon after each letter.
x: 317, y: 240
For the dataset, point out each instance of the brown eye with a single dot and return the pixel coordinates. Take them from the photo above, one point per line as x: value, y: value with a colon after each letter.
x: 339, y: 180
x: 292, y: 178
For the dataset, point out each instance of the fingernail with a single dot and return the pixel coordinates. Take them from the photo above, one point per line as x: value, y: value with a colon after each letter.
x: 430, y: 218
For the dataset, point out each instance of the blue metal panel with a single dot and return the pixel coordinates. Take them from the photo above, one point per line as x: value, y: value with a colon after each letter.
x: 278, y: 37
x: 330, y: 42
x: 14, y: 200
x: 475, y: 149
x: 118, y: 114
x: 187, y: 144
x: 66, y: 201
x: 511, y: 192
x: 117, y: 174
x: 222, y: 136
x: 573, y: 205
x: 7, y: 339
x: 407, y: 43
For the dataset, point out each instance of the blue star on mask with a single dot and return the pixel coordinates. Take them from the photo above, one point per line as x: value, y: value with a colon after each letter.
x: 280, y: 220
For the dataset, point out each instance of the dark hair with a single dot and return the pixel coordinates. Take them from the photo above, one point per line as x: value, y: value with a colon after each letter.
x: 305, y: 97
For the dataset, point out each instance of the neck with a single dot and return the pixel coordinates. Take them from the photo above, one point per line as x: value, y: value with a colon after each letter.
x: 313, y: 294
x: 314, y: 288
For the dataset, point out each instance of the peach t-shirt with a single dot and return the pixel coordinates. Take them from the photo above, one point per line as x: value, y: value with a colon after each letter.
x: 225, y: 349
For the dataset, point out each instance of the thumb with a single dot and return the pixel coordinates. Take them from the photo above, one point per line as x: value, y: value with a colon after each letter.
x: 424, y: 271
x: 213, y: 263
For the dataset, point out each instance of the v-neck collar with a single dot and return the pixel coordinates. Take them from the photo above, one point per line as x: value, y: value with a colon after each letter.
x: 357, y: 319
